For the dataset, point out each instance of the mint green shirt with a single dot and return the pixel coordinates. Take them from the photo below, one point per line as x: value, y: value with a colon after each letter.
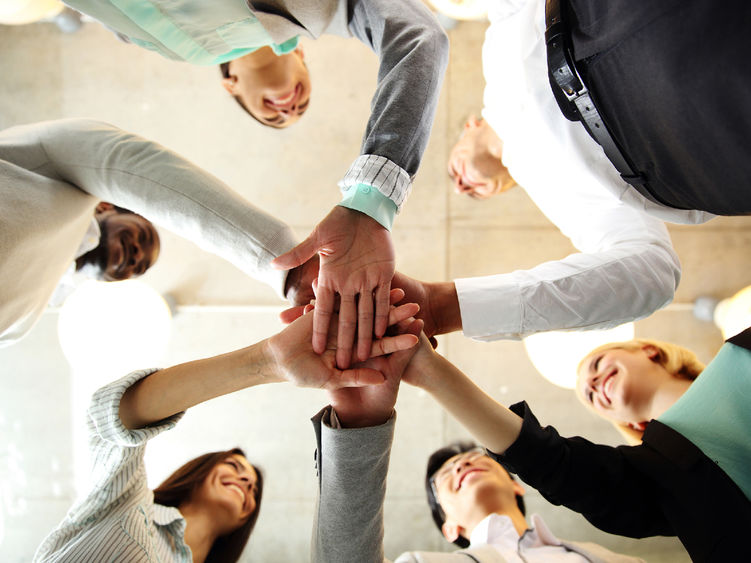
x: 195, y: 31
x: 715, y: 413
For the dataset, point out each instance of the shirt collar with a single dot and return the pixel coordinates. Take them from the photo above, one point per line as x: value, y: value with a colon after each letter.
x: 498, y: 529
x: 167, y: 515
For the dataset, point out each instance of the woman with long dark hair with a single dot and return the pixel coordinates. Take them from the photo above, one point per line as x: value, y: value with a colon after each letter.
x: 206, y: 510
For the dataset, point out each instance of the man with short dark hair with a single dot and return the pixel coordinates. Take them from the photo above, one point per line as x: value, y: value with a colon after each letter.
x: 472, y: 497
x: 53, y: 176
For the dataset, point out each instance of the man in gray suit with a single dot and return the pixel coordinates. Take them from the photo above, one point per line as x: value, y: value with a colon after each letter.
x: 472, y: 497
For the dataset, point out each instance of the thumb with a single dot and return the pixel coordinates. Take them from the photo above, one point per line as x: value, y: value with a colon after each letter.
x: 298, y: 255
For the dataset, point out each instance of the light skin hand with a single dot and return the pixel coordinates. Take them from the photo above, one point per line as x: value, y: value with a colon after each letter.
x: 357, y: 263
x: 297, y: 362
x: 287, y: 356
x: 358, y: 407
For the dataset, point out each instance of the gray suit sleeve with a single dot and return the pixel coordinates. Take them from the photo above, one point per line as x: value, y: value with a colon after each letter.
x: 352, y: 466
x: 413, y: 53
x: 146, y: 178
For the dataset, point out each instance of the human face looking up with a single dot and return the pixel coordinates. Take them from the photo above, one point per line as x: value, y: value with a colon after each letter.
x: 470, y: 486
x: 475, y: 163
x: 231, y: 489
x: 132, y: 245
x: 275, y: 89
x: 621, y: 384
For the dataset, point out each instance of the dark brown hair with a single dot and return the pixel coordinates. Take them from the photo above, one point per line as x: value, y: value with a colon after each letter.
x: 178, y: 488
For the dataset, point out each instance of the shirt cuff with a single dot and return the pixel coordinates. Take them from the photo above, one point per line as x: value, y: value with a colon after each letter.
x: 491, y: 308
x: 370, y: 201
x: 104, y: 414
x: 379, y: 172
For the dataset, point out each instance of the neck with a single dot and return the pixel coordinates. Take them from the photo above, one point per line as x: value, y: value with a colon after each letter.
x: 517, y: 519
x: 199, y: 532
x: 259, y: 58
x: 666, y: 396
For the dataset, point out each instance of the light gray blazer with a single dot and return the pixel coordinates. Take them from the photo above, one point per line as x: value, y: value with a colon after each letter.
x: 53, y: 174
x: 352, y: 465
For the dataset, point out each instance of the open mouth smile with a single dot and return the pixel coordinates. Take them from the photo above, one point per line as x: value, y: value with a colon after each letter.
x: 287, y: 100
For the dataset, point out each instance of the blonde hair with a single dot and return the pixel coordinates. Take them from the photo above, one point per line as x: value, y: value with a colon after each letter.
x: 677, y: 360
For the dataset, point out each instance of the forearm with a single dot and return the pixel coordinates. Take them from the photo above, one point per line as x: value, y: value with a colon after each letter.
x: 493, y: 425
x: 443, y: 303
x: 178, y: 388
x: 149, y: 179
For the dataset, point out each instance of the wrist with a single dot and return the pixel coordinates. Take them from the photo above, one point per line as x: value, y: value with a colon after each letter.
x: 354, y: 419
x: 269, y: 358
x: 444, y: 301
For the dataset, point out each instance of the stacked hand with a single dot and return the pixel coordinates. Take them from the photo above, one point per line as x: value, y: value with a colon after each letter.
x: 297, y: 362
x: 357, y: 264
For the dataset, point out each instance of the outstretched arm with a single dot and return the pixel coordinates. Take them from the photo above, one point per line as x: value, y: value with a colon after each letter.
x: 286, y: 356
x: 597, y: 481
x: 357, y: 259
x: 145, y: 177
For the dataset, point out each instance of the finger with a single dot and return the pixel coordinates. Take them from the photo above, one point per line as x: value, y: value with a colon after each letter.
x: 390, y: 344
x: 346, y: 333
x: 322, y: 318
x: 402, y: 312
x: 364, y: 325
x: 297, y: 256
x: 395, y: 295
x: 381, y: 309
x: 358, y: 377
x: 292, y: 314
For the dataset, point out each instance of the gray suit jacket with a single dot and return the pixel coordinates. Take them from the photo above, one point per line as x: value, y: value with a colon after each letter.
x: 53, y: 174
x: 352, y: 465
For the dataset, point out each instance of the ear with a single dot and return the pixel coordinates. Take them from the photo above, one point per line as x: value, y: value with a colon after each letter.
x: 651, y: 351
x: 103, y: 207
x: 451, y: 531
x: 638, y: 426
x: 518, y: 488
x: 300, y: 52
x: 230, y: 84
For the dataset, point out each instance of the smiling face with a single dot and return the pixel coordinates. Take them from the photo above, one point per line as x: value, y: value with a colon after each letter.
x: 275, y: 89
x: 468, y: 487
x: 621, y: 384
x: 475, y: 163
x: 132, y: 245
x: 230, y: 489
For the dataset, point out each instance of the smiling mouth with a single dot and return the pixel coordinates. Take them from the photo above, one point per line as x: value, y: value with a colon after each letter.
x: 463, y: 477
x: 286, y: 100
x: 237, y: 489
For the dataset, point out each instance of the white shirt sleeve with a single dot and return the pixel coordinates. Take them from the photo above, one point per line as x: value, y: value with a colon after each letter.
x: 626, y: 269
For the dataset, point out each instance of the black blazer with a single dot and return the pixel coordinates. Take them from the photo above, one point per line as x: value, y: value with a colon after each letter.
x: 665, y: 486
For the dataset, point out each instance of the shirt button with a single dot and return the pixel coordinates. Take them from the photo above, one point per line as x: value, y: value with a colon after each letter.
x: 366, y: 189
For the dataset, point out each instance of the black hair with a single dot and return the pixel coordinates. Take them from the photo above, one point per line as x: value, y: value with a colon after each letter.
x: 435, y: 462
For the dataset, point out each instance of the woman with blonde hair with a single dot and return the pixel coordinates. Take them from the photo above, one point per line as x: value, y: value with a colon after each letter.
x: 595, y: 387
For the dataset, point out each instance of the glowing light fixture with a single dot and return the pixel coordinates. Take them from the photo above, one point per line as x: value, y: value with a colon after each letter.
x: 556, y: 354
x: 733, y: 315
x: 461, y: 9
x: 20, y: 12
x: 114, y: 326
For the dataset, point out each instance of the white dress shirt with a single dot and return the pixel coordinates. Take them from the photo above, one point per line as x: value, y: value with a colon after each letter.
x: 626, y: 268
x: 537, y: 544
